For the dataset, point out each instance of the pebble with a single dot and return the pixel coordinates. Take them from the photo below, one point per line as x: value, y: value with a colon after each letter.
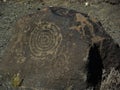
x: 4, y: 0
x: 86, y: 4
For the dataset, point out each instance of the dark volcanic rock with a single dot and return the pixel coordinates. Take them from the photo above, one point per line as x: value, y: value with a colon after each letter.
x: 59, y: 49
x: 114, y: 2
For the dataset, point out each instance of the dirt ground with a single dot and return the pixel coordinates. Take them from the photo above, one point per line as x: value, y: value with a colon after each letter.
x: 11, y: 10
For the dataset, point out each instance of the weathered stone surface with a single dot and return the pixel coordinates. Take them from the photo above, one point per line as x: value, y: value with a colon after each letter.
x: 58, y: 49
x: 113, y: 1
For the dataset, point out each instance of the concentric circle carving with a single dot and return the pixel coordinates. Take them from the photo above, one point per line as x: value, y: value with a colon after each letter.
x: 44, y: 40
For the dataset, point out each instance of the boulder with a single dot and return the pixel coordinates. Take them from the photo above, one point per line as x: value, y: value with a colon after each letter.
x: 59, y: 49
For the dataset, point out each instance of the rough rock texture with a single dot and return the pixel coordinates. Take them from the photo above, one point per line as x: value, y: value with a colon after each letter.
x: 59, y: 49
x: 113, y: 1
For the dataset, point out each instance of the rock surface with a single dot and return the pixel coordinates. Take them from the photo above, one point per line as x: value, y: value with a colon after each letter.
x: 57, y: 49
x: 113, y: 1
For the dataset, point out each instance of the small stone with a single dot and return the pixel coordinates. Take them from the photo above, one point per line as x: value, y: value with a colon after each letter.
x: 86, y: 4
x: 4, y: 0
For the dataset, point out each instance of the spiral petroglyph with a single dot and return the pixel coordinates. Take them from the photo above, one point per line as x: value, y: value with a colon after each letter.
x: 44, y: 40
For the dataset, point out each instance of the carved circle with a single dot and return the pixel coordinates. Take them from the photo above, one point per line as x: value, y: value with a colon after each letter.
x: 44, y: 40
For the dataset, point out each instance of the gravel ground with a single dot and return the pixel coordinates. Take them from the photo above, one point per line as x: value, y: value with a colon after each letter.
x: 11, y: 10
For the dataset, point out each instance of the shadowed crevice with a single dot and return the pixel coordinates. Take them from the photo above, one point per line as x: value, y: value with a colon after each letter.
x: 94, y: 67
